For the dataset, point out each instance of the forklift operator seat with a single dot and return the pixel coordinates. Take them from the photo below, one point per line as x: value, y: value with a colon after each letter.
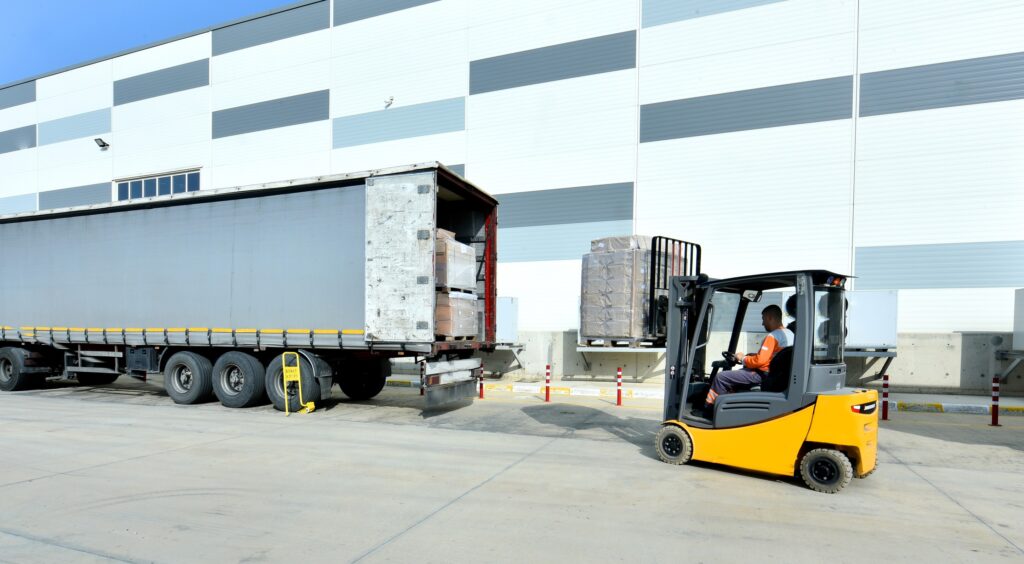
x: 779, y: 371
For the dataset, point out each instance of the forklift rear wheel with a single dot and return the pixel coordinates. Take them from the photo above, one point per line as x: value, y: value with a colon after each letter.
x: 673, y: 445
x: 826, y: 470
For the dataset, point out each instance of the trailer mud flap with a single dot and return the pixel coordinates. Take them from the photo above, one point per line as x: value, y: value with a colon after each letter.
x: 450, y: 381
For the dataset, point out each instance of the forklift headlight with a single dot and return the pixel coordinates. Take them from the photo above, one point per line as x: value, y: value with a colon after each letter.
x: 864, y: 408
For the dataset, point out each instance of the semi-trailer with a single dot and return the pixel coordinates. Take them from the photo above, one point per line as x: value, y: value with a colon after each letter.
x: 208, y: 289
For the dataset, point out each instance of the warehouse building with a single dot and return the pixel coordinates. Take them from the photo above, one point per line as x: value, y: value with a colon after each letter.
x: 875, y: 137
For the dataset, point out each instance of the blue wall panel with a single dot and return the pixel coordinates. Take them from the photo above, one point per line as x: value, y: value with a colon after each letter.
x: 18, y: 204
x: 18, y: 94
x: 17, y: 139
x: 75, y: 196
x: 430, y: 118
x: 995, y: 264
x: 583, y: 204
x: 554, y: 242
x: 657, y: 12
x: 74, y: 127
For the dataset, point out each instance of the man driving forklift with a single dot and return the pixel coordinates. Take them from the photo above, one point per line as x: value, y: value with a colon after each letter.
x: 752, y: 366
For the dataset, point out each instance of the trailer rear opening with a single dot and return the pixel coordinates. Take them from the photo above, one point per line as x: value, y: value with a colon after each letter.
x: 208, y: 289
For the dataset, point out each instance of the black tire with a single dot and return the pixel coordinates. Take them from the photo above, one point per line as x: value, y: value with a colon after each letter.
x: 239, y: 380
x: 188, y: 378
x: 673, y: 444
x: 826, y: 470
x: 12, y: 370
x: 365, y: 379
x: 96, y: 379
x: 868, y: 473
x: 275, y: 385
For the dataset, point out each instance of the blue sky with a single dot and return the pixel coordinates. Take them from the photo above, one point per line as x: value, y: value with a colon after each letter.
x: 40, y: 36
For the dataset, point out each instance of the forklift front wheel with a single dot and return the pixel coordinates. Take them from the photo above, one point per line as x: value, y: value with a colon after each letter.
x: 826, y: 470
x: 673, y: 444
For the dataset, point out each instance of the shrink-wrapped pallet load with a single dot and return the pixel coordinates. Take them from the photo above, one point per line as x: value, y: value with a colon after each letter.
x: 456, y: 314
x: 454, y: 263
x: 614, y: 294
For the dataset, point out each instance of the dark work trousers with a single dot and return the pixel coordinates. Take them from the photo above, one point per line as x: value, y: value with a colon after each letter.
x: 732, y: 380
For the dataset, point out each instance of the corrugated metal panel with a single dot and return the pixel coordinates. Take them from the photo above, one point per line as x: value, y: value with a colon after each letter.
x: 555, y: 242
x: 74, y: 127
x: 418, y: 120
x: 17, y: 139
x: 75, y: 196
x: 657, y: 12
x: 18, y: 204
x: 18, y: 94
x: 957, y: 83
x: 161, y: 82
x: 293, y: 110
x: 273, y: 27
x: 347, y: 11
x: 774, y: 106
x: 557, y: 62
x: 583, y: 204
x: 994, y: 264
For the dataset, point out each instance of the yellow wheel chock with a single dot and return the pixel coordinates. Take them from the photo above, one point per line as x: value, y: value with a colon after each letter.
x: 293, y: 373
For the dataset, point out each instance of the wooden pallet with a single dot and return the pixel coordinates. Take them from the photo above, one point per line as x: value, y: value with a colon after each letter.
x: 448, y: 339
x: 448, y: 290
x: 619, y: 343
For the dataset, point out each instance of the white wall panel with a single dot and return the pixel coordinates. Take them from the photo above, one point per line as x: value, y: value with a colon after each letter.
x: 74, y: 163
x: 75, y: 80
x: 437, y: 69
x: 548, y: 293
x: 920, y: 32
x: 183, y: 142
x: 499, y: 28
x: 552, y: 135
x: 17, y: 183
x: 416, y: 23
x: 17, y: 161
x: 288, y: 81
x: 162, y: 56
x: 757, y: 201
x: 298, y: 151
x: 78, y: 102
x: 18, y: 116
x: 941, y: 176
x: 276, y: 55
x: 448, y: 148
x: 154, y: 111
x: 961, y: 309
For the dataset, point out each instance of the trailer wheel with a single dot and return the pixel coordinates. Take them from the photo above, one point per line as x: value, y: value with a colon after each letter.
x: 239, y: 380
x: 87, y: 379
x: 826, y: 470
x: 188, y: 378
x: 12, y: 370
x: 673, y: 444
x: 366, y: 379
x: 275, y: 385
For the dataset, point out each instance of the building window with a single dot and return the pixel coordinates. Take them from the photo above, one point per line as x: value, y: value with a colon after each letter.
x: 158, y: 185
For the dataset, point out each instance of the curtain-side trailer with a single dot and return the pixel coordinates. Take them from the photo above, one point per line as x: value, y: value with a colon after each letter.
x: 208, y: 289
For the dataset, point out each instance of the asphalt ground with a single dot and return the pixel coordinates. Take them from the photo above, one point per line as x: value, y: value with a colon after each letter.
x: 120, y: 473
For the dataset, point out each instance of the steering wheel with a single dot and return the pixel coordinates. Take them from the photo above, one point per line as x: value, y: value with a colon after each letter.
x: 730, y: 358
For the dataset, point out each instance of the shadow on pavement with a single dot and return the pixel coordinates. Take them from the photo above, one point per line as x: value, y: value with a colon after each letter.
x: 960, y: 428
x: 578, y: 418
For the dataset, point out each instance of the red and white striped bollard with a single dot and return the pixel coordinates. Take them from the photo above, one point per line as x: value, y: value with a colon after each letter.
x: 885, y: 397
x: 995, y: 401
x: 547, y: 383
x: 481, y: 384
x: 618, y: 386
x: 423, y: 371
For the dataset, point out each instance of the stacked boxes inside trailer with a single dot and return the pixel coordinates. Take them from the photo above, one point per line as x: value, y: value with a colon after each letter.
x: 455, y: 273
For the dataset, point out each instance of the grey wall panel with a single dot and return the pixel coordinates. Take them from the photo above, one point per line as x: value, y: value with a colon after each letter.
x: 161, y: 82
x: 228, y: 265
x: 346, y: 11
x: 657, y: 12
x: 558, y: 62
x: 555, y: 242
x: 282, y: 112
x: 18, y: 204
x: 606, y: 202
x: 442, y: 116
x: 996, y: 264
x: 773, y: 106
x: 74, y: 127
x: 459, y: 169
x: 18, y: 94
x: 940, y: 85
x: 75, y: 196
x: 17, y: 139
x: 273, y: 27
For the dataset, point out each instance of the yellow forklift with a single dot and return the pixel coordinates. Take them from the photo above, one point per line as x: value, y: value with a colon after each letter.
x: 802, y: 420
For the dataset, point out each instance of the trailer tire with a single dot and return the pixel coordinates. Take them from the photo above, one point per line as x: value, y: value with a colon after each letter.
x: 366, y: 380
x: 188, y: 378
x: 239, y: 380
x: 275, y: 385
x: 12, y: 370
x: 826, y: 470
x: 86, y: 379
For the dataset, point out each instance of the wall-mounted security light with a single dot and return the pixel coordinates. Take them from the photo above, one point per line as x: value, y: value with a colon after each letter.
x: 102, y: 144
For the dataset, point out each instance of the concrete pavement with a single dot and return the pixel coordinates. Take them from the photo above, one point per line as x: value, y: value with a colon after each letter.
x: 122, y: 474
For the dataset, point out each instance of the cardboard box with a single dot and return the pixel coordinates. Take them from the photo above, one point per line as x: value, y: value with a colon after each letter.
x: 614, y: 295
x: 454, y: 263
x: 456, y: 314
